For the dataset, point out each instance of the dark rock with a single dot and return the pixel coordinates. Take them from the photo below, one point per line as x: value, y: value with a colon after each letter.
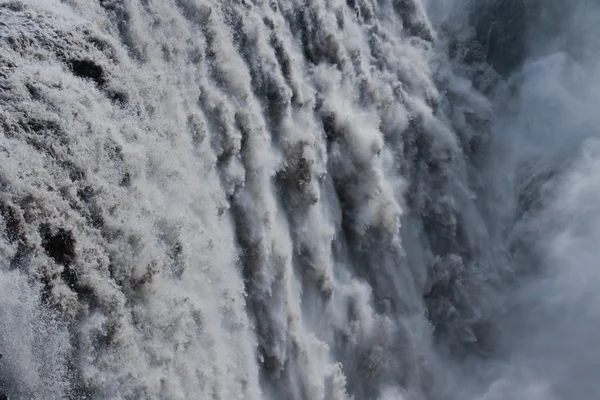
x: 88, y: 69
x: 60, y: 245
x: 501, y: 28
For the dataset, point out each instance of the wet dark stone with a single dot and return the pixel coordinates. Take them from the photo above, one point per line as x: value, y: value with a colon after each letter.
x: 501, y: 28
x: 88, y: 69
x: 59, y: 245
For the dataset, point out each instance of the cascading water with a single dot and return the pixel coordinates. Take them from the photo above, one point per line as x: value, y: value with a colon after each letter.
x: 303, y: 199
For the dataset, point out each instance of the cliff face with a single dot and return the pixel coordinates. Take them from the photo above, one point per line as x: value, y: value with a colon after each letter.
x: 501, y: 28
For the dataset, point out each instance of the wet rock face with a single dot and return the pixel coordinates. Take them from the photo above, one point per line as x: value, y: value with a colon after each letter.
x: 501, y: 28
x: 88, y: 69
x: 59, y: 245
x: 511, y: 30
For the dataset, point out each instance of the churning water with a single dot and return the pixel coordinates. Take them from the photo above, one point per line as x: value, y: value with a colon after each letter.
x: 299, y: 199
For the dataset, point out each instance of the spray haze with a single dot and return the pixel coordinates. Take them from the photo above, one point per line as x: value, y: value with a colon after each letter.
x: 546, y: 132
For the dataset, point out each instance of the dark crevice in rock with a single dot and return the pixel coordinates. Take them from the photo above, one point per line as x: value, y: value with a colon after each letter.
x: 88, y: 69
x: 59, y: 244
x: 501, y: 29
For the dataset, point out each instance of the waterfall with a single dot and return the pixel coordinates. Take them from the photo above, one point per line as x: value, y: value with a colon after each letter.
x: 302, y: 199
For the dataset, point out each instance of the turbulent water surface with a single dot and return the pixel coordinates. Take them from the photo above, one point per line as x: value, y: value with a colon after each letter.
x: 299, y: 199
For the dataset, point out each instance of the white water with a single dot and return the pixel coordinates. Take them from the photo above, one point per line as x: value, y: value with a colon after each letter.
x: 294, y: 200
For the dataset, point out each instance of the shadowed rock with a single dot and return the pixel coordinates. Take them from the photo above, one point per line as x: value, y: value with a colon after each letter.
x: 501, y: 27
x: 59, y: 245
x: 88, y: 69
